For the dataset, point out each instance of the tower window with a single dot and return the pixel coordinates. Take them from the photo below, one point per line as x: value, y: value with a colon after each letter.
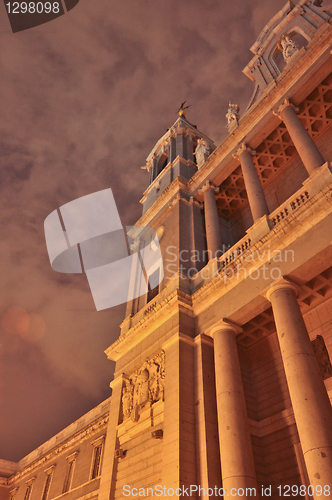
x: 153, y: 285
x: 162, y: 162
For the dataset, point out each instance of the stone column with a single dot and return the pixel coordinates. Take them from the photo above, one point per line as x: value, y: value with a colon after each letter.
x: 254, y: 189
x: 304, y: 144
x: 213, y: 235
x: 237, y: 463
x: 311, y: 404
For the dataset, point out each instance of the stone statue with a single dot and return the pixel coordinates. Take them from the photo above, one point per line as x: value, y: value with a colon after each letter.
x: 127, y: 399
x: 289, y: 47
x: 233, y: 114
x: 201, y: 152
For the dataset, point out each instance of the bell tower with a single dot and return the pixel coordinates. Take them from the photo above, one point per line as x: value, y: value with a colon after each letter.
x: 151, y: 437
x: 178, y: 153
x: 170, y: 210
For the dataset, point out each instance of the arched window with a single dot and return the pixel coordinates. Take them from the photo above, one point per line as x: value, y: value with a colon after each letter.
x: 162, y: 162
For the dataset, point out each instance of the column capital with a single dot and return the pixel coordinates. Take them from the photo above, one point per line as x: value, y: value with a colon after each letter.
x: 281, y: 284
x: 242, y: 149
x: 226, y: 324
x: 208, y: 186
x: 283, y: 106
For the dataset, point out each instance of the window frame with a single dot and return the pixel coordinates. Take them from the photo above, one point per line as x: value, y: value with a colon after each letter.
x: 97, y: 444
x: 71, y: 460
x: 28, y: 491
x: 47, y: 483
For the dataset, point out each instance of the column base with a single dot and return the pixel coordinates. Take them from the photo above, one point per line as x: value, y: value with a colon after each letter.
x: 319, y: 178
x: 260, y: 229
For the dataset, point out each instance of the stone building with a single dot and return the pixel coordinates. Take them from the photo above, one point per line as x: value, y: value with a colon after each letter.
x: 223, y: 371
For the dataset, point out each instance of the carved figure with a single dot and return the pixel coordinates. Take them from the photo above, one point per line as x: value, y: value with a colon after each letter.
x: 289, y: 47
x: 127, y: 399
x: 233, y: 113
x: 201, y: 152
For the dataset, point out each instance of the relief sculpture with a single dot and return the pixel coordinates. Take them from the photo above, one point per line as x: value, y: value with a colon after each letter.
x: 144, y: 387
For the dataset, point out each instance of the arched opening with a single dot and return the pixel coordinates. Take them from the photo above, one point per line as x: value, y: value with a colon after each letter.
x: 162, y: 162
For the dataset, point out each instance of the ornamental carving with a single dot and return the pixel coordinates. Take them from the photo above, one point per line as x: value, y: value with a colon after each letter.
x: 201, y: 152
x: 288, y: 47
x: 144, y: 387
x: 233, y: 114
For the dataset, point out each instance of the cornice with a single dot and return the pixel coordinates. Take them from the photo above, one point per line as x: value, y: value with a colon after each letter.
x: 74, y: 440
x: 149, y: 317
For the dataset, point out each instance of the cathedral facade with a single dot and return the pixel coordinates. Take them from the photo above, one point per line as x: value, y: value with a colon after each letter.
x: 223, y: 377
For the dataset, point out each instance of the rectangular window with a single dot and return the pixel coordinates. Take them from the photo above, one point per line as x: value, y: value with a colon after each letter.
x: 28, y: 492
x: 47, y: 486
x: 70, y: 472
x: 96, y: 461
x: 12, y: 493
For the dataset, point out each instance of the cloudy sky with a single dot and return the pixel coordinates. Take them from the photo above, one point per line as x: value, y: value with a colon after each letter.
x: 83, y: 101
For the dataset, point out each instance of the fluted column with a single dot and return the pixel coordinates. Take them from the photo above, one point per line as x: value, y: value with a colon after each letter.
x: 303, y: 143
x: 237, y: 463
x: 310, y: 401
x: 254, y: 189
x: 213, y: 235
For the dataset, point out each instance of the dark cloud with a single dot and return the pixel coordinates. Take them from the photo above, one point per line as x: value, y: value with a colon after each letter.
x: 84, y: 99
